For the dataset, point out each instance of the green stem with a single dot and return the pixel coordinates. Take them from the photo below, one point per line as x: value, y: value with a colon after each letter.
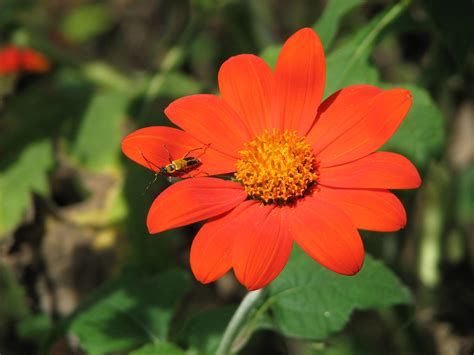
x: 372, y: 35
x: 388, y: 18
x: 238, y: 321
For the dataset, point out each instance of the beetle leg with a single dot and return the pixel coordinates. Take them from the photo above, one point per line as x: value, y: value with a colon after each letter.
x: 204, y: 148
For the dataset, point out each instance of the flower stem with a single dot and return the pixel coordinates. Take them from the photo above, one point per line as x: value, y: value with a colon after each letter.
x: 239, y: 319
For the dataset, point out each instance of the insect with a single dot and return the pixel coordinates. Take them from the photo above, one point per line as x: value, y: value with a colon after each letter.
x: 177, y: 167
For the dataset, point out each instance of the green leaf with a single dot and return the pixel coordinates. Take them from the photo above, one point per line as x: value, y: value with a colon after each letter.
x: 342, y: 71
x: 86, y: 21
x: 309, y: 301
x: 27, y: 173
x: 465, y: 195
x: 421, y: 134
x: 172, y: 84
x: 204, y: 330
x: 103, y: 74
x: 131, y: 311
x: 158, y: 349
x: 35, y: 328
x: 328, y: 24
x: 98, y: 140
x: 270, y: 54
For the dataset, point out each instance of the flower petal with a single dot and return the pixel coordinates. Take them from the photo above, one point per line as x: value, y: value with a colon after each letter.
x: 380, y: 170
x: 246, y: 83
x: 327, y: 234
x: 34, y: 61
x: 193, y: 200
x: 262, y: 246
x: 210, y: 119
x: 358, y: 128
x: 153, y: 147
x: 300, y: 74
x: 338, y: 113
x: 10, y: 60
x: 375, y: 210
x: 211, y: 251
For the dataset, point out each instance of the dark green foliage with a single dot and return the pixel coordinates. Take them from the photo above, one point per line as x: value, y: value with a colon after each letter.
x: 133, y: 310
x: 309, y: 301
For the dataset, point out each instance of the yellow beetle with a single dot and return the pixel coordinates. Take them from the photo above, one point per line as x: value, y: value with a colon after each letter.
x: 177, y: 167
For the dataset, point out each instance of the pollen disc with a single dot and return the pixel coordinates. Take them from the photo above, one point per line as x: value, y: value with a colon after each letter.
x: 277, y: 167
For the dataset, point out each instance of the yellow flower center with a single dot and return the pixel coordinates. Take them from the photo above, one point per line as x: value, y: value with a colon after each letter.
x: 277, y: 167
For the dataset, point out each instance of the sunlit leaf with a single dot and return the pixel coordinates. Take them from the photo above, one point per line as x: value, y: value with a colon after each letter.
x: 270, y: 54
x: 98, y: 140
x: 86, y: 21
x: 309, y: 301
x: 105, y: 75
x: 129, y: 312
x: 421, y: 135
x: 26, y: 174
x: 158, y: 349
x: 173, y: 84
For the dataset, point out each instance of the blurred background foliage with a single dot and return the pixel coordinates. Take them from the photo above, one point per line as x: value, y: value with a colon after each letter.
x: 79, y: 272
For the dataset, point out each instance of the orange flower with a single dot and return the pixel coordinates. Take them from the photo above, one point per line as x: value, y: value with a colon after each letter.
x: 14, y: 59
x: 10, y: 60
x: 303, y: 172
x: 34, y: 61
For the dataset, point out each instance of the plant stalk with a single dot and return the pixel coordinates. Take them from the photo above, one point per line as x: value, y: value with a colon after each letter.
x: 238, y: 321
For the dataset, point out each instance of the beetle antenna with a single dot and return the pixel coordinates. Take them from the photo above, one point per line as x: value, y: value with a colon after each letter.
x: 170, y: 158
x: 151, y: 165
x: 151, y: 182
